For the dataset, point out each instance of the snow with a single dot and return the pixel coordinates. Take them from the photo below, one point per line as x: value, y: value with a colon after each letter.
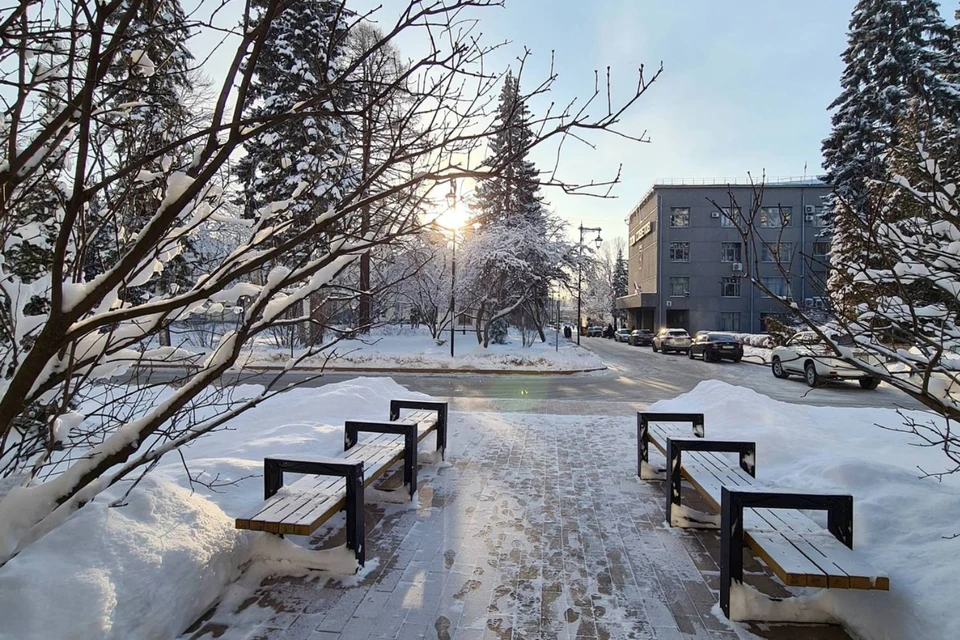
x: 152, y: 567
x: 901, y: 521
x: 414, y: 349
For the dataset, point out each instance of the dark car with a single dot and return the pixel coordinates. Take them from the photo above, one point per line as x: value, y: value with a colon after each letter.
x: 716, y: 346
x: 641, y: 337
x: 608, y: 331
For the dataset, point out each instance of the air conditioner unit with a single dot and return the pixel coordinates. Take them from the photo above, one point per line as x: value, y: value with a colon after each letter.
x: 737, y: 267
x: 714, y: 214
x: 809, y: 218
x: 687, y: 294
x: 809, y: 208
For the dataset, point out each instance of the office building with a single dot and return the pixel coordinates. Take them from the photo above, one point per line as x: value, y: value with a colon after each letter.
x: 688, y: 261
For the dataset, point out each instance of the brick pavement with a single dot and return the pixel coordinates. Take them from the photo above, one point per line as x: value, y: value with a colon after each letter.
x: 538, y: 529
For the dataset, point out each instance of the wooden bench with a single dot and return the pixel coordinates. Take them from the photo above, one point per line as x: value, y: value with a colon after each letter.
x: 337, y: 483
x: 769, y: 521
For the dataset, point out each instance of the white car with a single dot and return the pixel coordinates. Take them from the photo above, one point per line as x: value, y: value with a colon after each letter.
x: 805, y: 354
x: 672, y: 340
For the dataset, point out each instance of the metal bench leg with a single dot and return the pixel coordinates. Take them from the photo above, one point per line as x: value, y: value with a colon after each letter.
x: 674, y: 479
x: 354, y: 508
x: 643, y: 443
x: 731, y: 546
x: 410, y: 451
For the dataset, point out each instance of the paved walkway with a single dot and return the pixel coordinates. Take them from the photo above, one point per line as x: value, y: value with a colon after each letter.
x: 537, y: 530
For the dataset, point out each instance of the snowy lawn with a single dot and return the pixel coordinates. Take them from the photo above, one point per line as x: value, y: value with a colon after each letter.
x: 415, y: 349
x: 152, y: 567
x: 900, y: 520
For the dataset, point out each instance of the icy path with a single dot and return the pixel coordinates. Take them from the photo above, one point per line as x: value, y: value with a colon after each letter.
x: 539, y: 529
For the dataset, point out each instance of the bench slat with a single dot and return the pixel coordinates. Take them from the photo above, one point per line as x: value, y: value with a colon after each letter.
x: 790, y: 565
x: 839, y: 561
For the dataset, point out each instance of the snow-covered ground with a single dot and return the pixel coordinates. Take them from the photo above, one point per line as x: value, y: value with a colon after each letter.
x: 150, y: 568
x: 414, y: 349
x: 901, y: 522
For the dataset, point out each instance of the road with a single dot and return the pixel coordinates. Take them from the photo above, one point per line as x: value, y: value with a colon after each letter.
x: 634, y: 374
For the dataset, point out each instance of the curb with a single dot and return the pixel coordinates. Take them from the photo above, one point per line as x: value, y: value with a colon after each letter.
x: 498, y: 372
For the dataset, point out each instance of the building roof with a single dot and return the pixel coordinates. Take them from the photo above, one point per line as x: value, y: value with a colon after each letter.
x: 688, y: 183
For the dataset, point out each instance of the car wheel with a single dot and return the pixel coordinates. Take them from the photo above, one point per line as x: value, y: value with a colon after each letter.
x: 690, y: 353
x: 778, y: 370
x: 810, y: 374
x: 653, y: 345
x: 869, y: 383
x: 736, y: 359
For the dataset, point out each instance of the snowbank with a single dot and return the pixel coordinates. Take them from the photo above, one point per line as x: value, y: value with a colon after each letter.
x: 415, y: 349
x: 900, y: 520
x: 152, y: 567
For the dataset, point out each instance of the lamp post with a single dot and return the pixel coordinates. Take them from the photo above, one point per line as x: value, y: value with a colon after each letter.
x: 598, y: 241
x: 452, y: 200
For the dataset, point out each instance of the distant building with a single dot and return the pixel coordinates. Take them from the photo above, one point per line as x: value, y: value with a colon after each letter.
x: 687, y: 259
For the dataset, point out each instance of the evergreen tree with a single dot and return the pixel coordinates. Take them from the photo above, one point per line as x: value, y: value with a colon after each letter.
x: 512, y: 200
x: 303, y: 163
x: 897, y: 54
x: 621, y: 283
x: 152, y: 71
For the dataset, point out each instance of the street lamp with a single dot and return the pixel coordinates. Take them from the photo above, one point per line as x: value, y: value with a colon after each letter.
x: 452, y: 201
x: 598, y: 242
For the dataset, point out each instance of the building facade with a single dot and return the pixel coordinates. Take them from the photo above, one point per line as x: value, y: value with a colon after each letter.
x: 689, y: 266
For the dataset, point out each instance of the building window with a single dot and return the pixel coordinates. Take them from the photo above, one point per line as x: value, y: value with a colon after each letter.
x: 775, y: 217
x: 679, y: 286
x: 821, y: 249
x: 730, y: 287
x: 776, y: 252
x: 778, y: 286
x: 728, y: 216
x: 679, y: 252
x: 818, y: 218
x: 679, y: 216
x: 730, y: 321
x: 730, y: 252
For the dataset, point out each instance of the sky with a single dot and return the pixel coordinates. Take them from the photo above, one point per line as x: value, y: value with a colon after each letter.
x: 745, y: 87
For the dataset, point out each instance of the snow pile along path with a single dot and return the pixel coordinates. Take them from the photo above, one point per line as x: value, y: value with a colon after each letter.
x: 150, y: 568
x: 900, y: 520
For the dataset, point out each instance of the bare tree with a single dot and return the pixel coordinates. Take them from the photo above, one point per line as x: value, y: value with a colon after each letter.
x: 905, y: 328
x: 64, y: 335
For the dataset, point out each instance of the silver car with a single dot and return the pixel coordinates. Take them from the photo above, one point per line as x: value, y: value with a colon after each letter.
x: 672, y: 340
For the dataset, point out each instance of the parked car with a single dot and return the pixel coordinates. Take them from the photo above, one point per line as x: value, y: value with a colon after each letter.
x: 641, y: 337
x: 805, y: 354
x: 622, y: 335
x: 594, y: 332
x: 713, y: 346
x: 671, y: 340
x: 608, y: 331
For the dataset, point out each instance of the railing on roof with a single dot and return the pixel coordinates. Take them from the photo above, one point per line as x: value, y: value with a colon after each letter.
x: 740, y: 180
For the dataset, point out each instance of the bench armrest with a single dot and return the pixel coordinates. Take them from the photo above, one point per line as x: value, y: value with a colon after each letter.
x: 839, y: 508
x: 746, y: 449
x: 274, y: 468
x: 409, y: 431
x: 442, y: 412
x: 644, y: 418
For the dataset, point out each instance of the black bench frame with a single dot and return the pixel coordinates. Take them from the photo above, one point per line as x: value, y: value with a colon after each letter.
x: 350, y: 470
x: 644, y: 418
x: 675, y: 449
x: 839, y: 510
x: 408, y: 430
x: 439, y: 407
